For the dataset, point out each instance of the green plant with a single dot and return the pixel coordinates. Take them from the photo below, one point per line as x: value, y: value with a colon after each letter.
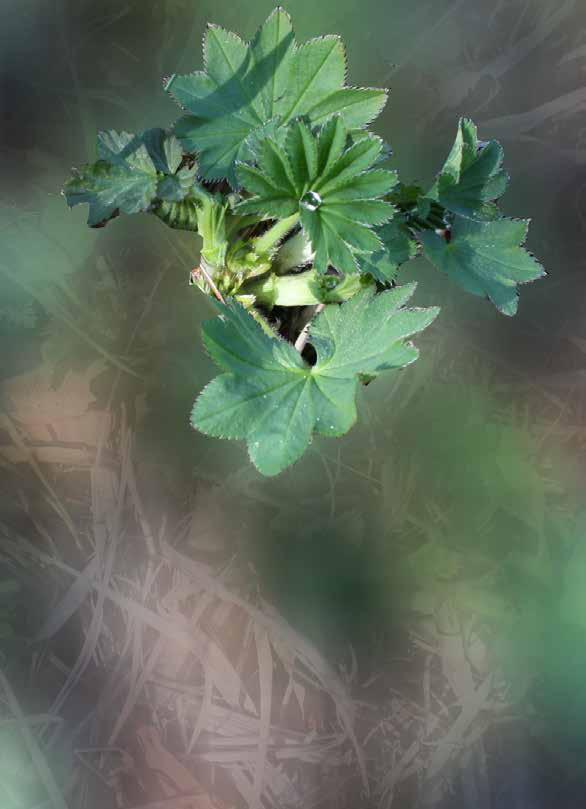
x: 303, y: 231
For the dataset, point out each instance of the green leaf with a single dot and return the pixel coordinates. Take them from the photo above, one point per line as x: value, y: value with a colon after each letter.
x: 406, y: 196
x: 471, y: 177
x: 246, y: 87
x: 109, y: 188
x: 270, y: 397
x: 131, y: 173
x: 398, y: 247
x: 330, y: 184
x: 485, y: 258
x: 356, y: 135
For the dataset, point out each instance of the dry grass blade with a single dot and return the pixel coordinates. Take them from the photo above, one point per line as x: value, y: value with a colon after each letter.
x: 265, y: 677
x: 276, y: 627
x: 177, y: 802
x: 70, y: 603
x: 203, y: 720
x: 7, y: 423
x: 193, y: 639
x: 455, y: 664
x: 451, y: 742
x: 139, y: 511
x: 106, y: 552
x: 71, y: 454
x: 39, y: 719
x: 37, y: 756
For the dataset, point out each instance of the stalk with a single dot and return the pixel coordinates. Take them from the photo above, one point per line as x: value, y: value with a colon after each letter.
x: 288, y: 290
x: 211, y: 225
x: 237, y: 223
x: 307, y: 288
x: 301, y: 341
x: 294, y: 253
x: 269, y: 240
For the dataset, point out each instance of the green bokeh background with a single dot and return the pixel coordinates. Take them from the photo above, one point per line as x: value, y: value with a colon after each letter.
x: 468, y: 466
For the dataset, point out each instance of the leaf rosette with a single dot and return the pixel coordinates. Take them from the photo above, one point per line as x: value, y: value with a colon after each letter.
x: 330, y: 184
x: 272, y: 165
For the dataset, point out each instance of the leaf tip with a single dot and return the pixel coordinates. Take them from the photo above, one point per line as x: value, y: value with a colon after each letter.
x: 168, y: 81
x: 279, y: 10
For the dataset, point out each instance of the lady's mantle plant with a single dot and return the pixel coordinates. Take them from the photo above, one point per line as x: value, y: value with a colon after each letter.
x: 303, y: 231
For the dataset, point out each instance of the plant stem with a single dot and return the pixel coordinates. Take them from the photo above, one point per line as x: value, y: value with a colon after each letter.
x: 264, y: 243
x: 301, y: 289
x: 294, y: 253
x: 301, y: 341
x: 237, y: 223
x: 207, y: 271
x: 289, y: 290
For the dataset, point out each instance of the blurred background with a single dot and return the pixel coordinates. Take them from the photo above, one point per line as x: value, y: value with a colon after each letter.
x: 399, y: 620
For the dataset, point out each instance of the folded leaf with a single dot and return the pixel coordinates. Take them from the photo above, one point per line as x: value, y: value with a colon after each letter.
x: 485, y: 258
x: 246, y: 86
x: 132, y: 174
x: 270, y: 397
x: 330, y: 184
x: 471, y: 177
x: 110, y: 188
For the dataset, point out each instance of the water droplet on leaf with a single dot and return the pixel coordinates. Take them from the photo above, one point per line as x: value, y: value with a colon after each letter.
x: 311, y: 201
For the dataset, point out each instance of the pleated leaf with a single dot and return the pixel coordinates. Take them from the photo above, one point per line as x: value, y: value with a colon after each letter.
x: 132, y: 174
x: 472, y: 177
x: 332, y: 185
x: 245, y: 87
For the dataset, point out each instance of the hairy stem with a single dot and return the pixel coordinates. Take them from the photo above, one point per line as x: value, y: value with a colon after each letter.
x: 301, y: 341
x: 294, y: 253
x: 270, y: 239
x: 289, y: 290
x: 302, y: 289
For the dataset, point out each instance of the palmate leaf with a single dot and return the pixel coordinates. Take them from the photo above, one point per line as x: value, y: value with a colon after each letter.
x: 330, y: 184
x: 132, y: 173
x: 246, y: 87
x: 485, y: 258
x: 471, y: 177
x: 270, y: 397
